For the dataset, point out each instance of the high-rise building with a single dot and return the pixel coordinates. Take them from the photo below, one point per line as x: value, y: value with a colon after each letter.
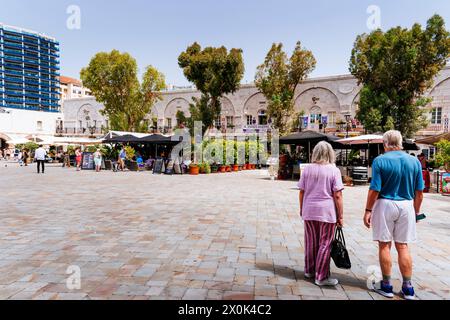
x: 29, y: 70
x: 29, y: 85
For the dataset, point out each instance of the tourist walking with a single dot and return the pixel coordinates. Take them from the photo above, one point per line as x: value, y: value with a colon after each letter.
x: 25, y: 157
x: 394, y: 200
x: 122, y: 157
x: 39, y: 156
x: 66, y: 159
x: 98, y: 160
x: 321, y: 207
x: 78, y: 158
x: 20, y: 158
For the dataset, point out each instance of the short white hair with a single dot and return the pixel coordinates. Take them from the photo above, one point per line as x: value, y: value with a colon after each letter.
x: 323, y: 153
x: 393, y: 139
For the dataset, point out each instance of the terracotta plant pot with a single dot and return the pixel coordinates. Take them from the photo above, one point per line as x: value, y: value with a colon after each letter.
x: 228, y: 168
x: 223, y: 168
x: 194, y: 170
x: 235, y: 168
x: 248, y: 166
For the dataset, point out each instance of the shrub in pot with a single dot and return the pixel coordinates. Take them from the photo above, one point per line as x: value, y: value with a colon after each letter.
x: 214, y: 168
x: 194, y: 169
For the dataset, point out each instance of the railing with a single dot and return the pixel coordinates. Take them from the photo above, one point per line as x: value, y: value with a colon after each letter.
x: 80, y: 131
x: 12, y: 45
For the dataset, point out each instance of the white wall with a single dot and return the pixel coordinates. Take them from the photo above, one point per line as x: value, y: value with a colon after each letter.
x: 21, y: 122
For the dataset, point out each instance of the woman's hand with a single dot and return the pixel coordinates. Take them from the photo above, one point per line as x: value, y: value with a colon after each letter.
x: 340, y: 222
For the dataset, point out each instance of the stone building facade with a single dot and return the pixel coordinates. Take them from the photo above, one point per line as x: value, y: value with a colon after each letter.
x: 328, y: 104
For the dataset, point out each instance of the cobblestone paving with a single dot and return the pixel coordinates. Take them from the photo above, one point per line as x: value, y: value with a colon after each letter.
x: 222, y: 236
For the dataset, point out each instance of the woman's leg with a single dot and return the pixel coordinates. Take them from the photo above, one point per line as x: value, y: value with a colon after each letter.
x: 311, y: 246
x: 326, y: 231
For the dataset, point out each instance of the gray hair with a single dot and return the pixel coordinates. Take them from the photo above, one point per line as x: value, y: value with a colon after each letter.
x: 323, y: 153
x: 393, y: 139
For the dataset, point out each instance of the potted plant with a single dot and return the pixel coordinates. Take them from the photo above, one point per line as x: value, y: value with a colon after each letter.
x: 214, y: 168
x: 194, y: 169
x: 348, y: 181
x: 235, y: 167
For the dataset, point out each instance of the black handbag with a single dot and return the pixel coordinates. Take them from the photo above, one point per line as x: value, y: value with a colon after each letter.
x: 339, y: 252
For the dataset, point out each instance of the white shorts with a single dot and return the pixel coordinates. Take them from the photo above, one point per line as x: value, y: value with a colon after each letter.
x: 394, y: 221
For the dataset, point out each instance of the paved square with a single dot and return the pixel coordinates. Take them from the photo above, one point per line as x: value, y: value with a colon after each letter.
x: 221, y: 236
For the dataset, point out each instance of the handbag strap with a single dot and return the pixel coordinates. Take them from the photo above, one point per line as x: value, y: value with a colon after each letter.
x: 339, y: 235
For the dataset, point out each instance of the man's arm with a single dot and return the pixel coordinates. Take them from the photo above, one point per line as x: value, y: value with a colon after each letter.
x: 418, y: 201
x: 371, y: 198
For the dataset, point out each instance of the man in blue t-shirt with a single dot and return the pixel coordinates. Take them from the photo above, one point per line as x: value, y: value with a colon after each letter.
x: 394, y: 200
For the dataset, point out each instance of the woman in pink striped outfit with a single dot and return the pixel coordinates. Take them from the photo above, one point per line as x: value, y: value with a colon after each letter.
x: 321, y: 208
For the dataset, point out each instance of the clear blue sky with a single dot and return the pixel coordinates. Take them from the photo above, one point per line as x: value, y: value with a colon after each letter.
x: 155, y: 32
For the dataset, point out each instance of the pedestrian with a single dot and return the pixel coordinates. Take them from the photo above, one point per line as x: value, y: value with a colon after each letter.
x: 39, y: 156
x: 321, y: 207
x: 66, y: 162
x: 78, y: 158
x: 98, y: 160
x: 394, y: 200
x: 122, y: 157
x: 20, y: 158
x: 25, y: 157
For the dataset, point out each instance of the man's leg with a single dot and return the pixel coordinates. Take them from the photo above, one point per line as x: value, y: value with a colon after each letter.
x: 38, y: 164
x: 43, y: 165
x: 404, y: 260
x: 385, y: 260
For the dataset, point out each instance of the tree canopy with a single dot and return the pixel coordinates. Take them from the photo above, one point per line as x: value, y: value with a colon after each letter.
x: 396, y: 68
x: 278, y: 77
x: 215, y: 72
x: 113, y: 80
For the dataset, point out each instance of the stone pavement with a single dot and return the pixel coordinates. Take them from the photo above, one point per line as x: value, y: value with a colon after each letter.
x: 222, y: 236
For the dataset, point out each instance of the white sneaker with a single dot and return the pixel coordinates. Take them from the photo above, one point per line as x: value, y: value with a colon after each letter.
x: 327, y: 282
x: 309, y: 275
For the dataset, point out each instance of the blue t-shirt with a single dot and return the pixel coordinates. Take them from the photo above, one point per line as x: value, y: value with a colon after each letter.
x: 397, y: 176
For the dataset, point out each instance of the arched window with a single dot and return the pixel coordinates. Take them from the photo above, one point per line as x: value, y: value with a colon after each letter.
x: 262, y: 117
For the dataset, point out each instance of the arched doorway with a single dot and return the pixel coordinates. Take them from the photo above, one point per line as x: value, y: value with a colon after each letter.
x: 255, y: 110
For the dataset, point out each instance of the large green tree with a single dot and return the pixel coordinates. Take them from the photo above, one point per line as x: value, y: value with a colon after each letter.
x: 396, y: 67
x: 278, y: 77
x: 113, y: 79
x: 215, y: 72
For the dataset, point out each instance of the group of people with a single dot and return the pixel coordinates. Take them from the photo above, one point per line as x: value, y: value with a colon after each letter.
x: 393, y: 204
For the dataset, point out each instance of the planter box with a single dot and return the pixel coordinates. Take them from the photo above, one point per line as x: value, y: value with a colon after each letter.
x: 194, y: 171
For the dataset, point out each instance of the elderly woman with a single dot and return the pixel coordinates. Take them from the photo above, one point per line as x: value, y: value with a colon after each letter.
x: 321, y: 208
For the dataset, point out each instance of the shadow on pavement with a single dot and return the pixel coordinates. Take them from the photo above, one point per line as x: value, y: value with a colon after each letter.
x: 297, y: 274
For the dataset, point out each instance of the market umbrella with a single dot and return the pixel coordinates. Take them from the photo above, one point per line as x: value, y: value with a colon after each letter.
x: 362, y: 140
x: 307, y: 137
x: 159, y: 139
x: 433, y: 139
x: 122, y: 139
